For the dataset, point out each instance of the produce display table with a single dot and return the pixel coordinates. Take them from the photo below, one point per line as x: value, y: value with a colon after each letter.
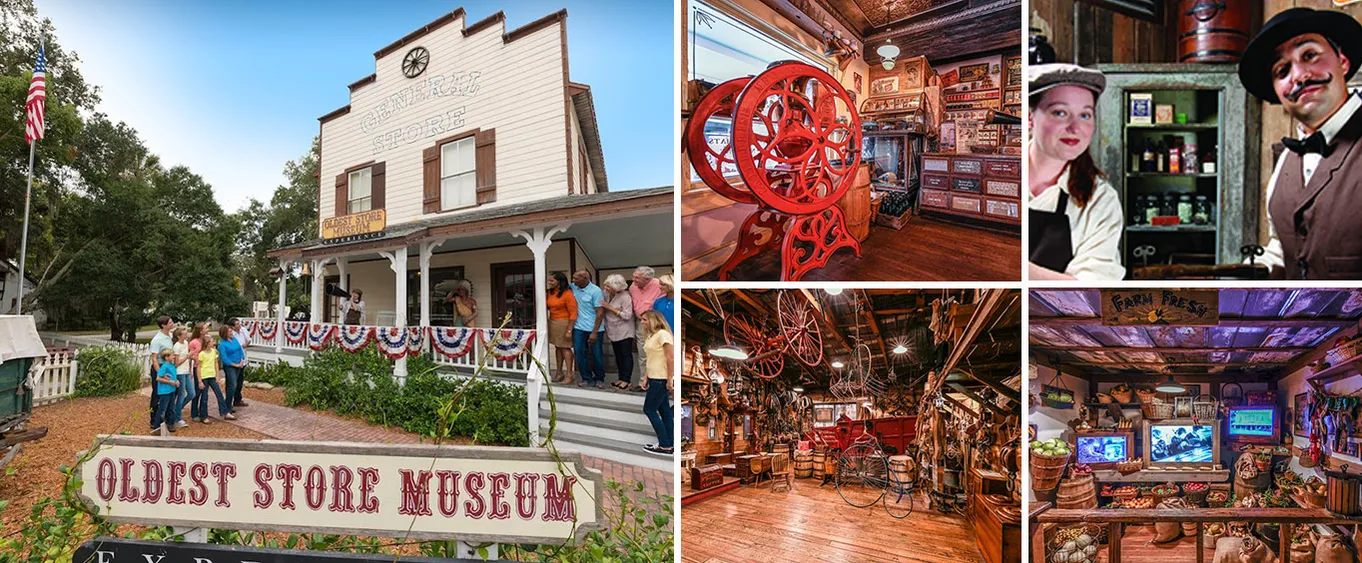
x: 1117, y: 518
x: 1162, y: 476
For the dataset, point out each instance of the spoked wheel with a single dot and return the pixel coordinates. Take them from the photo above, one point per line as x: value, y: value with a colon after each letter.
x: 898, y: 497
x: 743, y: 331
x: 800, y: 329
x: 862, y: 474
x: 710, y: 160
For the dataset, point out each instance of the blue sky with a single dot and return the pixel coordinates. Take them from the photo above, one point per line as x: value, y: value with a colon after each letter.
x: 233, y: 89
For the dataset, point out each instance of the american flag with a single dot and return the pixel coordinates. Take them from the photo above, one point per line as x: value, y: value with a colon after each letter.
x: 37, y: 93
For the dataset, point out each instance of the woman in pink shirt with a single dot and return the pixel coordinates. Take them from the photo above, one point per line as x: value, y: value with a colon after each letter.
x: 196, y: 346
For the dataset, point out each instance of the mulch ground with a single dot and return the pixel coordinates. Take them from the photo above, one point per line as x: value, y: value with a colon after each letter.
x: 71, y: 427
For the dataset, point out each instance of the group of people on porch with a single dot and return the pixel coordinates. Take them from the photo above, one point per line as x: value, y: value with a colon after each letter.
x: 636, y: 318
x: 185, y: 364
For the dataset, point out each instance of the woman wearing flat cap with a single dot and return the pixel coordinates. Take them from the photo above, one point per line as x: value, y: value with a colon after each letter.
x: 1302, y: 59
x: 1074, y: 215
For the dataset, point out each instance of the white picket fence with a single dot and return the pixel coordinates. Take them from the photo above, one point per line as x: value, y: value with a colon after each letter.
x: 53, y: 378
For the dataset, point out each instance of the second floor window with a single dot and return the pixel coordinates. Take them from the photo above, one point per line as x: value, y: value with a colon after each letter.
x: 361, y: 190
x: 458, y: 171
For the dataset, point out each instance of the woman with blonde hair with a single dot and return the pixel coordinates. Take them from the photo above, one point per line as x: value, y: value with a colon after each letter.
x: 665, y: 303
x: 657, y: 404
x: 619, y: 327
x: 184, y: 375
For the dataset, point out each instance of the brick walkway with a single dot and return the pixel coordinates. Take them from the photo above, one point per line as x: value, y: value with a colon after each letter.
x: 283, y: 423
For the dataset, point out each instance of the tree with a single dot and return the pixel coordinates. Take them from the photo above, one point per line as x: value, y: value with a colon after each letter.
x: 290, y: 218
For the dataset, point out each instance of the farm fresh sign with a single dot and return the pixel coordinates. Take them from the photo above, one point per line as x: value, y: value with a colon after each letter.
x: 509, y: 495
x: 1143, y: 307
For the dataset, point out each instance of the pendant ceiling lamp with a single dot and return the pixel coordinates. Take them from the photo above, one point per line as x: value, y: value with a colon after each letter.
x: 1170, y: 386
x: 888, y: 51
x: 728, y: 352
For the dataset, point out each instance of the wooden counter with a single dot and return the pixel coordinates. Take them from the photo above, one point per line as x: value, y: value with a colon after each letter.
x: 978, y: 186
x: 996, y: 519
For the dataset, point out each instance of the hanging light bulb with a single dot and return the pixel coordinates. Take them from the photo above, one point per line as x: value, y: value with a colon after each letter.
x: 833, y: 291
x: 887, y: 64
x: 728, y: 352
x: 798, y: 389
x: 837, y: 365
x: 900, y: 349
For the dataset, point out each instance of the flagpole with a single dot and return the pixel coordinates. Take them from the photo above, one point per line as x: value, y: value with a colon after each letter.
x: 28, y: 192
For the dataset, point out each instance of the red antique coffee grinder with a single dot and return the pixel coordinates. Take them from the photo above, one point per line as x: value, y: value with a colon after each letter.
x: 795, y: 159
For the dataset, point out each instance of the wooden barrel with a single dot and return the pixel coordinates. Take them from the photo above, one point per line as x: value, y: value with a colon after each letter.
x: 1341, y: 492
x: 819, y: 464
x: 803, y: 465
x: 1076, y: 493
x: 855, y: 204
x: 1212, y: 31
x: 903, y: 468
x: 1046, y: 470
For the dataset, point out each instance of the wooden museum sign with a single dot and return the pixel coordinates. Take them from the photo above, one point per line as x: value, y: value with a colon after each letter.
x: 466, y: 493
x: 354, y: 227
x: 1155, y: 307
x: 119, y: 550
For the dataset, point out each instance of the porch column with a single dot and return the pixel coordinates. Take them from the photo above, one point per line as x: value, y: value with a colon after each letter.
x: 427, y: 249
x: 283, y: 283
x: 539, y: 241
x: 343, y: 268
x: 398, y: 260
x: 318, y: 301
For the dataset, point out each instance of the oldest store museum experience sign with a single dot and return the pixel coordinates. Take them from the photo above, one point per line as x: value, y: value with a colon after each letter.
x: 474, y: 494
x: 355, y: 226
x: 1160, y: 307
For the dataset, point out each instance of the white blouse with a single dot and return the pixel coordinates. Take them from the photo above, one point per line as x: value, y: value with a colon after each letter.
x: 1096, y: 229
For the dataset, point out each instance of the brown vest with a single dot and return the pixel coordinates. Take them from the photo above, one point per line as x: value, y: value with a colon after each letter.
x: 1318, y: 223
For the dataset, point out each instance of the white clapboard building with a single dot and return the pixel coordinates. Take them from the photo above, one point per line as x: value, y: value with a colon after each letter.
x: 470, y: 154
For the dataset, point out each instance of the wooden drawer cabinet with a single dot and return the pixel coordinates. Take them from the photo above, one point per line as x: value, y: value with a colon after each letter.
x: 979, y: 186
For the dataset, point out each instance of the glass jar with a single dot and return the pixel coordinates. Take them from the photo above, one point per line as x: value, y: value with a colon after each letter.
x: 1185, y: 209
x: 1169, y: 207
x: 1191, y: 162
x: 1201, y: 212
x: 1137, y: 211
x: 1151, y: 209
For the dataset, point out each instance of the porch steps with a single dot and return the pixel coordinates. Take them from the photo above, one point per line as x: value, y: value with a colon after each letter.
x: 612, y: 450
x: 603, y: 424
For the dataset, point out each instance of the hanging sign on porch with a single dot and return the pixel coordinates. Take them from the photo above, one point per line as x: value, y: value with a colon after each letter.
x: 466, y: 493
x: 355, y: 226
x: 121, y: 550
x: 1146, y: 307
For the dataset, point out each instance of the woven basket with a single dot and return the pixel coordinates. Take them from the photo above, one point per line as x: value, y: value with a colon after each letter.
x: 1344, y: 352
x: 1156, y: 411
x: 1121, y: 396
x: 1047, y: 389
x: 1195, y: 497
x: 1205, y: 407
x: 1146, y: 395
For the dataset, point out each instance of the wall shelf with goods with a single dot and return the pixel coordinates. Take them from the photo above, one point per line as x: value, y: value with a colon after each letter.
x: 1182, y: 204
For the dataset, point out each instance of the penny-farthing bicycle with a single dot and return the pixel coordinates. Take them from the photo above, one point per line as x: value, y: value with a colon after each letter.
x: 797, y: 335
x: 864, y: 478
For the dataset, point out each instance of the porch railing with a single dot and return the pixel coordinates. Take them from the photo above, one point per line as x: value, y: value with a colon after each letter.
x: 471, y: 360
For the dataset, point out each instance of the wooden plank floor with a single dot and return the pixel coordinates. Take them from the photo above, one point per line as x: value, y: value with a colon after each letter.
x: 927, y: 249
x: 813, y: 523
x: 1138, y: 546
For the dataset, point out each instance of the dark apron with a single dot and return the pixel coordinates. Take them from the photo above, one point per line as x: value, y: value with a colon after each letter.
x: 1051, y: 236
x: 352, y: 316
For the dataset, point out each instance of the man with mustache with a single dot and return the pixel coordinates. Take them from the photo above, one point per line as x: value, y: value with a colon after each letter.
x: 1302, y: 59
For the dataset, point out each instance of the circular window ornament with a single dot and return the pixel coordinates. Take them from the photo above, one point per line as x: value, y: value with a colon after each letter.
x: 415, y: 62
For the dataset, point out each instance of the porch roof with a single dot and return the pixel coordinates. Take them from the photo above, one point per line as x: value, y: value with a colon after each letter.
x: 627, y: 210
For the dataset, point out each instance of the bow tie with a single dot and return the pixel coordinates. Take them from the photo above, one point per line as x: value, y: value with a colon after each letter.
x: 1314, y: 143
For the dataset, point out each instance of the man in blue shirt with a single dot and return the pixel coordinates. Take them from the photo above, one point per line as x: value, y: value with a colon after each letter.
x: 586, y: 333
x: 160, y: 342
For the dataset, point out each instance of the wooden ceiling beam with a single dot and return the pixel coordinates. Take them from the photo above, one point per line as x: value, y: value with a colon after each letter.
x: 1258, y: 322
x: 1166, y: 350
x: 689, y: 297
x: 869, y: 312
x: 756, y: 307
x: 828, y: 323
x: 960, y: 405
x: 976, y: 398
x: 983, y: 315
x: 1172, y: 364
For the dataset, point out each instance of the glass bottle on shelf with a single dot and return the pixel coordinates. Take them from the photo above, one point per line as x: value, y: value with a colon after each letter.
x: 1190, y: 163
x: 1201, y: 213
x: 1208, y: 161
x: 1174, y: 156
x: 1169, y: 207
x: 1147, y: 158
x: 1151, y: 209
x: 1160, y: 158
x: 1185, y: 209
x: 1137, y: 211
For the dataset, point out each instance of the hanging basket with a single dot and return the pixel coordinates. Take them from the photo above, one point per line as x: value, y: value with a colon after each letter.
x: 1056, y: 387
x: 1344, y: 352
x: 1231, y: 400
x: 1205, y: 407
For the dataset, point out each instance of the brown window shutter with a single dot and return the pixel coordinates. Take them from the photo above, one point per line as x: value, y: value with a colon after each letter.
x: 378, y: 186
x: 342, y: 194
x: 486, y: 159
x: 430, y: 160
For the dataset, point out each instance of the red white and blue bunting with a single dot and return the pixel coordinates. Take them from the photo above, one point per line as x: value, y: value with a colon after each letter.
x: 353, y: 338
x: 452, y: 343
x: 267, y: 330
x: 392, y: 341
x: 507, y: 344
x: 248, y: 325
x: 295, y: 332
x: 416, y: 338
x: 319, y: 335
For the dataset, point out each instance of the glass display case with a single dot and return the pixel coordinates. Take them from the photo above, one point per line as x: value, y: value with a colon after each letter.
x: 893, y: 159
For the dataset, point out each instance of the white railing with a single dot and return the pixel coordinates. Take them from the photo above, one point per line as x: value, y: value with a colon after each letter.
x: 471, y: 361
x: 141, y: 353
x: 53, y: 378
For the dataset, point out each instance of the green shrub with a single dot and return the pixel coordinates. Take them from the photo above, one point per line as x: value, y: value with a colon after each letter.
x: 275, y: 374
x: 105, y: 371
x: 362, y: 385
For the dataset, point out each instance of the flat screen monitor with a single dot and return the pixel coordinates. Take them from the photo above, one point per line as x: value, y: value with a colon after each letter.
x: 1180, y: 443
x: 1103, y: 449
x: 1252, y: 424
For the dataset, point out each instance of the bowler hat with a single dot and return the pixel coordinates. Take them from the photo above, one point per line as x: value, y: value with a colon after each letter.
x: 1255, y: 68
